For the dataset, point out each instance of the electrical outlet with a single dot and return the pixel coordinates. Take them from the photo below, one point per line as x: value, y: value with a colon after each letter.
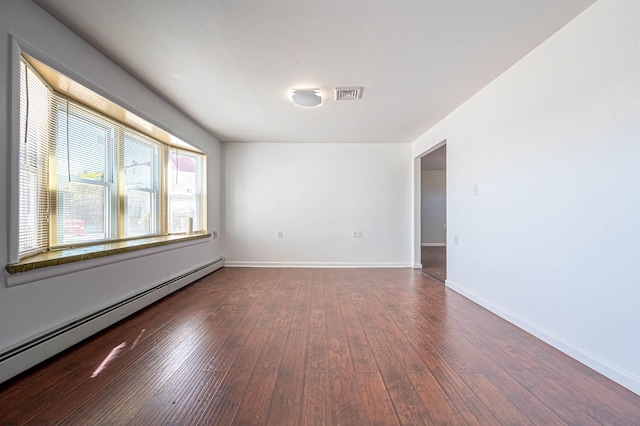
x: 359, y: 234
x: 279, y: 234
x: 355, y: 234
x: 455, y: 239
x: 475, y: 190
x: 214, y: 234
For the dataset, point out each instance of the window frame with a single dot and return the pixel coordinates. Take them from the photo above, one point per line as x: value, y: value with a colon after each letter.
x: 109, y: 182
x: 154, y: 190
x: 17, y: 49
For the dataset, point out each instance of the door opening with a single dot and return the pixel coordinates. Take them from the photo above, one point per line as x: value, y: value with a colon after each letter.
x: 433, y: 213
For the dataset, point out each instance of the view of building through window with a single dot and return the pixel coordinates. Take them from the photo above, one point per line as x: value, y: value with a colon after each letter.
x: 185, y: 191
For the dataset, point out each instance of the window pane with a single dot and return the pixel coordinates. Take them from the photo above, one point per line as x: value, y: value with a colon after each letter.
x: 139, y: 163
x: 139, y: 215
x: 85, y: 160
x: 185, y: 192
x: 82, y: 212
x: 141, y: 186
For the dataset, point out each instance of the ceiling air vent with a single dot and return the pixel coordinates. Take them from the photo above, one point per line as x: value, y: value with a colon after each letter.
x: 348, y: 93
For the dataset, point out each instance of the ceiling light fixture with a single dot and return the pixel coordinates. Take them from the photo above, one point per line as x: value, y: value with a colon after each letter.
x: 306, y: 97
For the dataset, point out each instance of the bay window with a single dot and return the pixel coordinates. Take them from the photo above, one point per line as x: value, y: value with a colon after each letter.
x: 87, y: 177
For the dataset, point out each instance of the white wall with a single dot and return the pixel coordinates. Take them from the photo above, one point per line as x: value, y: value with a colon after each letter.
x: 317, y: 194
x: 434, y: 207
x: 28, y: 309
x: 552, y: 241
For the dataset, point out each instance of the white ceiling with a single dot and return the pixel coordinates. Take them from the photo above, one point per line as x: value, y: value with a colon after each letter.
x: 230, y: 64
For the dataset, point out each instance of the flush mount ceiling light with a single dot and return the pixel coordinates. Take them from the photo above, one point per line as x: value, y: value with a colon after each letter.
x: 306, y: 97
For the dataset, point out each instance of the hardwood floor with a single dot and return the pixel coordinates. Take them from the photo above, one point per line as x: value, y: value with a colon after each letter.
x: 314, y: 347
x: 434, y: 262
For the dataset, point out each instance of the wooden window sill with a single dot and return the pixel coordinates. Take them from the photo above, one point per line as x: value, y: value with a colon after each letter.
x: 60, y: 257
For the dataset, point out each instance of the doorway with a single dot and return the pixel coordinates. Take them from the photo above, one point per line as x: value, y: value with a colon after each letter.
x: 433, y: 213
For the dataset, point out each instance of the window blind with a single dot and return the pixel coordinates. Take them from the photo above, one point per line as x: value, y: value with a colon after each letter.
x: 35, y: 125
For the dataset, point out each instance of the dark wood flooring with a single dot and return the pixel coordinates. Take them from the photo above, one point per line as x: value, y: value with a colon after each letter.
x: 434, y: 262
x: 314, y: 347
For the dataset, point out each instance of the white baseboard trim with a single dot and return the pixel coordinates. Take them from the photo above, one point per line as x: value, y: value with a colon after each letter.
x: 249, y: 264
x: 433, y: 244
x: 618, y: 375
x: 417, y: 266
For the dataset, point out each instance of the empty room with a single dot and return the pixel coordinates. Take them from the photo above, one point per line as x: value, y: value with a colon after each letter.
x: 320, y: 212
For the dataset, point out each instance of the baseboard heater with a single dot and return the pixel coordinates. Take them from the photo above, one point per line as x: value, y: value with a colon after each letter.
x: 42, y: 347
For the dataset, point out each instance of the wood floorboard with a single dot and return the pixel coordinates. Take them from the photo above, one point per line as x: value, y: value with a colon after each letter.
x: 316, y: 399
x: 346, y: 401
x: 361, y: 353
x: 223, y: 406
x: 182, y: 399
x: 441, y: 409
x: 256, y: 402
x: 464, y: 398
x: 405, y: 399
x: 317, y: 356
x: 500, y: 405
x: 314, y: 347
x: 536, y: 411
x: 378, y: 409
x: 300, y: 319
x: 286, y: 402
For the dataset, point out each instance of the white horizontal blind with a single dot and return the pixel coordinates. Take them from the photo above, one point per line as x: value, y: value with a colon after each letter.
x: 35, y: 125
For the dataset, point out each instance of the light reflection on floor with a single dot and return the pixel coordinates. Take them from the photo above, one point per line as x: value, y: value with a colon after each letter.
x: 115, y: 352
x: 135, y: 342
x: 112, y: 355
